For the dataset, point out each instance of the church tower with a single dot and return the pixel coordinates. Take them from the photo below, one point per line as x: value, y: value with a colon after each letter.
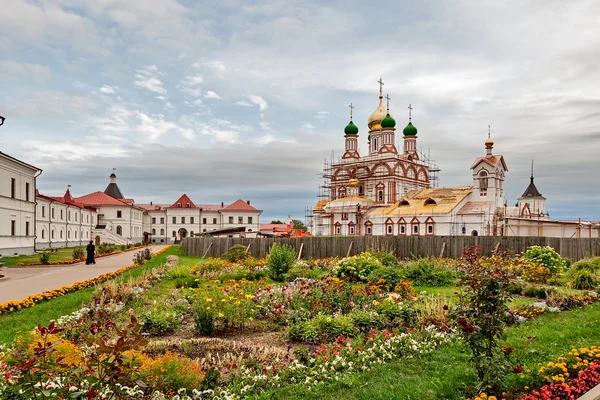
x: 375, y: 134
x: 351, y: 136
x: 410, y: 138
x: 488, y: 174
x: 531, y: 203
x: 112, y: 189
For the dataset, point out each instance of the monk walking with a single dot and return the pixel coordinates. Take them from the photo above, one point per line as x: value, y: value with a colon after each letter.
x: 91, y: 249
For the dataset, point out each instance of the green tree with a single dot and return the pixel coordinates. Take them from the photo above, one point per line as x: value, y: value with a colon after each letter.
x: 276, y: 222
x: 297, y: 224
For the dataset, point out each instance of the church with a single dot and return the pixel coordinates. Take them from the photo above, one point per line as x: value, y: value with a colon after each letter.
x: 393, y: 192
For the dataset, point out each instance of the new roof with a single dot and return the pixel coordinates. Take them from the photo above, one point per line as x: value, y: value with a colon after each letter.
x: 531, y: 190
x: 428, y: 201
x: 491, y: 160
x: 183, y: 202
x: 99, y: 199
x: 113, y: 190
x: 240, y: 205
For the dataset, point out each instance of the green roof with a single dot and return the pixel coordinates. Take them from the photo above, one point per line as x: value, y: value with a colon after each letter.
x: 388, y: 121
x: 410, y: 130
x: 351, y: 129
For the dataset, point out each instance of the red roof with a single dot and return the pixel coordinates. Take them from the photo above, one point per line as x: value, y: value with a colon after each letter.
x: 153, y: 207
x: 183, y: 201
x: 66, y: 199
x: 272, y: 227
x: 240, y: 205
x: 211, y: 207
x: 99, y: 199
x: 491, y: 160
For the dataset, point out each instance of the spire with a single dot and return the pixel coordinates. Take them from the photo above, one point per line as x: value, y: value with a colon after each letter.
x: 112, y: 189
x: 531, y: 170
x: 379, y: 114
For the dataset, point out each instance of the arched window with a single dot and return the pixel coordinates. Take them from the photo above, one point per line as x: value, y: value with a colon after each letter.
x: 174, y: 234
x: 75, y: 232
x: 68, y: 234
x: 61, y: 234
x: 474, y: 233
x: 483, y: 181
x: 52, y: 234
x: 153, y: 231
x: 162, y: 231
x: 119, y: 230
x: 187, y: 205
x: 43, y: 233
x: 380, y: 195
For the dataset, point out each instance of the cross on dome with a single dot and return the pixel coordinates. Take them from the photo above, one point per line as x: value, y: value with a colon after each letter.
x: 351, y: 109
x: 380, y: 81
x: 410, y: 113
x: 388, y: 98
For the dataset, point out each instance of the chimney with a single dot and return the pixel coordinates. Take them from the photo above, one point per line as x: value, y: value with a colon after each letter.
x: 221, y: 204
x: 248, y: 201
x: 150, y: 202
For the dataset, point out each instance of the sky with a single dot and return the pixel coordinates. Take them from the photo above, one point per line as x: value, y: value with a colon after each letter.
x: 235, y: 99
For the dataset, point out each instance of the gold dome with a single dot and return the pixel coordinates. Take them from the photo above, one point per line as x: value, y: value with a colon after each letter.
x: 375, y: 118
x: 354, y: 182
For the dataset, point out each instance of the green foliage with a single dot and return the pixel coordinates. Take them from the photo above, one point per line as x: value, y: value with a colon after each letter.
x: 546, y: 256
x: 204, y: 320
x: 587, y: 264
x: 538, y: 292
x: 277, y: 222
x: 323, y: 328
x: 297, y: 224
x: 45, y: 258
x: 188, y: 282
x: 584, y: 280
x: 160, y: 322
x: 235, y: 253
x: 303, y: 272
x: 78, y: 253
x: 365, y: 321
x: 105, y: 248
x: 357, y: 267
x: 391, y: 277
x: 280, y: 261
x: 386, y: 258
x: 429, y: 272
x: 180, y: 271
x: 243, y: 273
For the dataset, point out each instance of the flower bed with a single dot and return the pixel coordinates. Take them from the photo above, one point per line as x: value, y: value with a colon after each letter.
x: 30, y: 301
x: 77, y: 260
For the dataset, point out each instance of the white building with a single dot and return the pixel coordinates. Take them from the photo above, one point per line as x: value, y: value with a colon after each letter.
x: 17, y: 206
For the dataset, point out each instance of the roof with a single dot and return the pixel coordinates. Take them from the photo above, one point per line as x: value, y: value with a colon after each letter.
x: 211, y: 207
x: 66, y: 199
x: 99, y: 199
x: 153, y: 207
x: 272, y: 227
x: 441, y: 201
x: 531, y: 190
x: 113, y: 190
x: 240, y: 205
x: 474, y: 207
x: 321, y: 204
x: 182, y: 202
x: 19, y: 161
x: 491, y: 160
x: 351, y: 201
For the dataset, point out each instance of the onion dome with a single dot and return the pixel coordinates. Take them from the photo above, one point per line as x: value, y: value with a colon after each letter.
x: 351, y: 129
x: 388, y: 121
x: 410, y: 130
x: 489, y: 142
x: 377, y: 116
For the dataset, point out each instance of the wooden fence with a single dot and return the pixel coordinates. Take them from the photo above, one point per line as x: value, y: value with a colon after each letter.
x: 401, y: 246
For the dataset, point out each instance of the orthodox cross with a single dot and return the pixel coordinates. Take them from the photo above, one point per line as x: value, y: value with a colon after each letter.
x: 380, y: 81
x: 410, y: 112
x: 388, y: 98
x: 489, y: 131
x: 351, y: 108
x: 531, y: 169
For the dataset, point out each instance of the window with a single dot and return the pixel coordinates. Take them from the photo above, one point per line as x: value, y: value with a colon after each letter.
x: 368, y: 230
x: 153, y: 220
x: 13, y: 187
x: 178, y: 206
x: 52, y: 234
x: 61, y: 215
x: 361, y: 190
x: 390, y: 229
x: 119, y: 230
x: 430, y: 229
x: 68, y: 234
x: 119, y: 214
x: 415, y: 229
x: 204, y: 221
x: 337, y: 230
x: 191, y: 233
x: 13, y: 228
x: 68, y: 215
x: 187, y: 205
x: 43, y: 211
x: 402, y: 229
x: 75, y: 217
x: 153, y: 231
x: 191, y: 220
x: 352, y: 230
x: 162, y: 220
x: 26, y: 228
x: 214, y: 221
x: 162, y: 231
x: 174, y: 220
x: 75, y: 234
x: 87, y: 218
x: 26, y: 191
x: 174, y: 234
x: 483, y: 181
x: 183, y: 220
x: 344, y: 215
x: 61, y: 234
x: 240, y: 220
x: 231, y: 220
x: 43, y: 234
x: 203, y: 230
x: 380, y: 195
x: 249, y: 220
x: 52, y: 212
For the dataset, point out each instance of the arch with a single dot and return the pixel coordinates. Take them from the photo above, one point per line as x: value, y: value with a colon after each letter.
x: 384, y: 166
x: 422, y: 175
x: 182, y: 233
x: 119, y: 230
x: 430, y: 202
x: 429, y: 226
x: 404, y: 203
x: 402, y: 227
x: 351, y: 228
x: 415, y: 226
x: 340, y: 173
x: 362, y: 172
x: 526, y: 211
x: 483, y: 180
x: 474, y: 233
x: 411, y: 172
x: 153, y: 231
x: 389, y: 227
x: 368, y: 228
x: 162, y: 231
x: 174, y: 234
x: 400, y: 169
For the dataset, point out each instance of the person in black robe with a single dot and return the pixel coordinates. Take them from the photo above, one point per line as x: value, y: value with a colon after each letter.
x: 91, y: 249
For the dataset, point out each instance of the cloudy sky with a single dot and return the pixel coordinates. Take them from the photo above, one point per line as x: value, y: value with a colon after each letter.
x: 226, y: 100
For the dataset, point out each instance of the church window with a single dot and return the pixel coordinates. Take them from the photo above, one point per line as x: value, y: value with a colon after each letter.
x: 474, y: 233
x: 415, y: 229
x: 404, y: 203
x: 26, y: 191
x: 338, y: 230
x: 43, y: 234
x: 153, y: 231
x: 119, y: 230
x: 174, y: 234
x: 390, y: 229
x: 119, y: 214
x: 380, y: 195
x: 52, y: 213
x: 75, y: 234
x: 214, y: 221
x: 204, y: 221
x: 61, y: 234
x: 430, y: 229
x: 483, y: 181
x: 240, y: 220
x: 68, y: 234
x: 68, y: 215
x: 162, y: 231
x: 191, y: 220
x: 402, y: 230
x: 52, y: 235
x: 231, y: 220
x: 27, y: 228
x: 162, y: 220
x: 174, y: 220
x: 361, y: 190
x: 87, y: 218
x: 61, y: 215
x: 368, y: 230
x: 352, y: 230
x: 344, y: 215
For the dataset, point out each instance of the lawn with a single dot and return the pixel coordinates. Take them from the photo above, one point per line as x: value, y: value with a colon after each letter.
x: 26, y: 319
x: 62, y: 254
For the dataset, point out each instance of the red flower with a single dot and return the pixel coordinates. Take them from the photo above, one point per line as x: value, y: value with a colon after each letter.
x: 518, y: 369
x: 445, y: 307
x: 469, y: 328
x: 462, y: 321
x: 508, y: 350
x: 90, y: 394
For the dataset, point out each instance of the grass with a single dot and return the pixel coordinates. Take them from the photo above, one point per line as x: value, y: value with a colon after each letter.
x: 25, y: 320
x: 63, y: 254
x: 445, y: 372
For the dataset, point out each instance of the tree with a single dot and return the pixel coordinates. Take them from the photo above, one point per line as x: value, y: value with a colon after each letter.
x: 276, y: 222
x: 297, y: 224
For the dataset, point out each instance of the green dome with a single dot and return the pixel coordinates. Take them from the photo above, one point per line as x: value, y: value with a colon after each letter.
x: 410, y: 130
x: 388, y: 121
x: 351, y: 129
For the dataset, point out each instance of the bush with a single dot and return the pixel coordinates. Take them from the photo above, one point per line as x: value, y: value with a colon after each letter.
x: 387, y: 259
x: 189, y: 282
x: 235, y: 253
x: 547, y: 257
x: 159, y: 323
x: 204, y: 320
x: 429, y: 272
x: 357, y: 267
x: 78, y: 253
x: 45, y: 258
x: 366, y: 321
x: 587, y: 264
x: 390, y: 276
x: 538, y: 292
x: 323, y: 328
x: 535, y: 273
x: 303, y: 272
x: 584, y: 280
x: 180, y: 271
x: 171, y: 372
x: 280, y: 261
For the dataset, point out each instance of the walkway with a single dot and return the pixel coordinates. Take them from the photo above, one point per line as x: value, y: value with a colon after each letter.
x: 24, y: 281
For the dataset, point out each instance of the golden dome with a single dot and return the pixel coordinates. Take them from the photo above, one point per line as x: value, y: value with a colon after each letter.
x: 375, y: 118
x: 354, y: 182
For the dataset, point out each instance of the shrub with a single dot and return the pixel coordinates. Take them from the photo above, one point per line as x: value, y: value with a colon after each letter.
x: 189, y: 282
x: 45, y: 258
x: 147, y: 254
x: 584, y: 280
x: 587, y: 264
x: 535, y: 273
x: 204, y: 320
x: 539, y: 292
x: 171, y: 372
x: 280, y: 261
x: 235, y: 253
x: 78, y: 253
x: 159, y: 323
x: 303, y: 272
x: 357, y: 267
x: 545, y: 256
x: 386, y: 258
x: 405, y: 289
x: 180, y: 271
x: 429, y: 272
x: 323, y: 328
x: 365, y: 321
x: 390, y: 276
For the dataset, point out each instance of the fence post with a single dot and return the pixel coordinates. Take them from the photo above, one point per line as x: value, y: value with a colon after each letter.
x: 206, y: 252
x: 349, y: 248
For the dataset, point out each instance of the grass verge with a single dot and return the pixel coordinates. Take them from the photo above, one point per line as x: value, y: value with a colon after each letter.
x: 26, y: 319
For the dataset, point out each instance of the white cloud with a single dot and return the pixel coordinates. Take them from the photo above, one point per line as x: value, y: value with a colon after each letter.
x: 216, y: 65
x: 190, y: 85
x: 244, y: 103
x: 147, y: 78
x: 266, y: 139
x: 308, y: 126
x: 106, y: 89
x: 266, y: 126
x: 211, y: 95
x: 153, y: 127
x: 322, y: 115
x: 259, y: 101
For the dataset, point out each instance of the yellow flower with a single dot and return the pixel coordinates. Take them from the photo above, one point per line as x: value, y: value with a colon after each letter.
x: 220, y: 315
x: 250, y: 319
x: 492, y: 398
x: 392, y: 387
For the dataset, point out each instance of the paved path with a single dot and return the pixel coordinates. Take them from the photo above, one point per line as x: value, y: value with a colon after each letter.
x: 21, y: 282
